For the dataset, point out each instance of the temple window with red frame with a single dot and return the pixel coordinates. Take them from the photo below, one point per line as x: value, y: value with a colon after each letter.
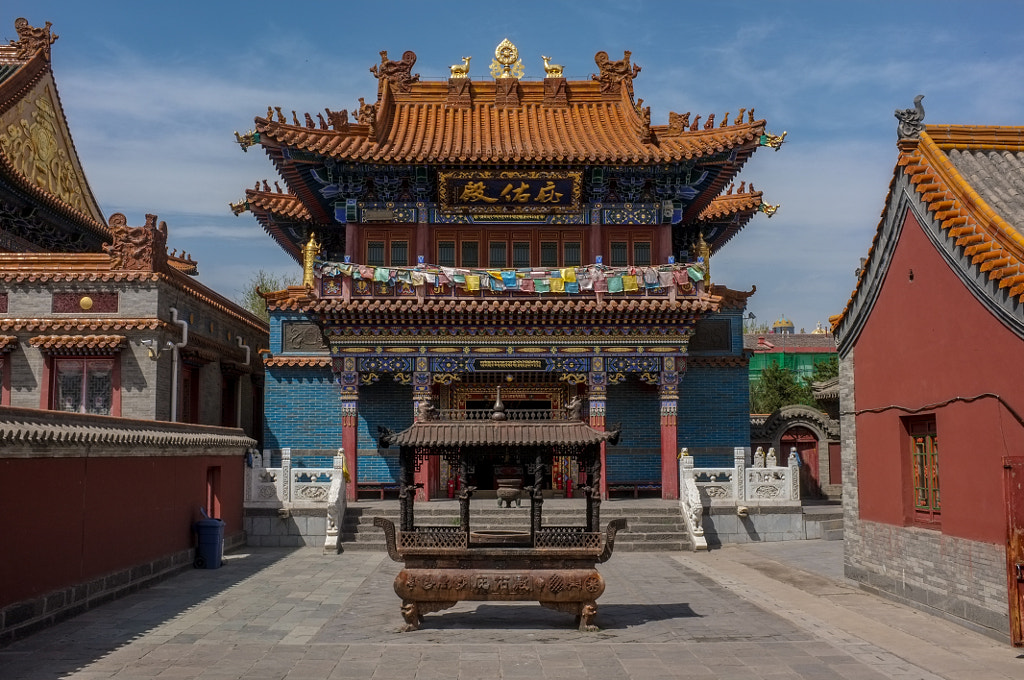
x: 924, y: 464
x: 84, y: 385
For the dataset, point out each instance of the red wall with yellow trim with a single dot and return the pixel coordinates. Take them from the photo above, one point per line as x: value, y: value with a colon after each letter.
x: 928, y: 340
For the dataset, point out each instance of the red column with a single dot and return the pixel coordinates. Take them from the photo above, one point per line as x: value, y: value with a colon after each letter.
x: 669, y: 467
x: 350, y: 440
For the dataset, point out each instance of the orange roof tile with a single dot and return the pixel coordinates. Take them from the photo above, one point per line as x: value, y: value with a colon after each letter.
x: 90, y: 343
x: 7, y: 342
x: 955, y: 201
x: 83, y: 325
x: 734, y: 209
x: 271, y: 208
x: 419, y: 126
x: 313, y: 362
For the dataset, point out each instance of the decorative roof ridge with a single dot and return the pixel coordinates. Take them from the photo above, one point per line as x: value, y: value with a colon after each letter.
x: 57, y: 429
x: 975, y: 206
x: 214, y: 299
x: 980, y: 137
x: 732, y: 299
x: 293, y: 360
x: 94, y: 342
x: 82, y: 324
x: 956, y: 208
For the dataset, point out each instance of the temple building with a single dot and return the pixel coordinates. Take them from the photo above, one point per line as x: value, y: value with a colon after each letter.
x: 128, y: 390
x: 495, y: 237
x: 930, y: 346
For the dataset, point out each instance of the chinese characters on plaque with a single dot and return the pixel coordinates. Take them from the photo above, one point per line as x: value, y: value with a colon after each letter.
x: 510, y: 191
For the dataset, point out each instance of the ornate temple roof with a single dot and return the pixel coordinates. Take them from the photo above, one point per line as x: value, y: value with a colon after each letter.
x: 491, y: 123
x: 43, y: 205
x: 968, y: 181
x: 451, y: 433
x: 728, y: 213
x: 590, y: 125
x: 282, y: 215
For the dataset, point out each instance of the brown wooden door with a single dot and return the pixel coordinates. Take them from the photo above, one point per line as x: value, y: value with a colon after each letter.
x: 1014, y: 475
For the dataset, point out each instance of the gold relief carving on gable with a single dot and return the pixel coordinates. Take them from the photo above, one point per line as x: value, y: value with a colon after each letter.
x: 36, y: 144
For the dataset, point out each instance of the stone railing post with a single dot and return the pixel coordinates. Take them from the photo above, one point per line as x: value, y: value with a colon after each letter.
x: 794, y: 475
x: 689, y: 498
x: 336, y: 504
x: 286, y: 475
x: 739, y: 479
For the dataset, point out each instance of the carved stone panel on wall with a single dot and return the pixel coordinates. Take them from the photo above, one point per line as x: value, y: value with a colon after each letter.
x: 711, y: 335
x: 302, y: 336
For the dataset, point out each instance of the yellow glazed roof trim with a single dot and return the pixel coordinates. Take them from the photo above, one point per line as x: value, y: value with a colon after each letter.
x: 995, y: 246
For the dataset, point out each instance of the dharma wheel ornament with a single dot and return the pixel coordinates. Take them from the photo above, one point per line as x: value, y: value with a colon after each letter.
x: 507, y: 63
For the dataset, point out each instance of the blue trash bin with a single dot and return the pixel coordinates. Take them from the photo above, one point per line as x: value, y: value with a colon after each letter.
x: 210, y: 544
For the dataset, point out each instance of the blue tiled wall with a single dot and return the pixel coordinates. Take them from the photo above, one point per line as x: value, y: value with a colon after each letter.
x: 302, y: 409
x: 714, y: 403
x: 390, y: 405
x: 633, y: 467
x: 635, y: 406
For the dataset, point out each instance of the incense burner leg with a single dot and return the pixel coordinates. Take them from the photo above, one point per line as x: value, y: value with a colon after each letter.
x: 583, y: 611
x: 413, y: 611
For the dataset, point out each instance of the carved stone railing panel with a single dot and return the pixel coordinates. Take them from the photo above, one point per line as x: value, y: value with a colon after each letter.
x: 691, y: 503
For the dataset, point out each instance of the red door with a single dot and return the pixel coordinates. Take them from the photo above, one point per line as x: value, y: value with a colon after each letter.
x: 806, y: 444
x: 1014, y: 474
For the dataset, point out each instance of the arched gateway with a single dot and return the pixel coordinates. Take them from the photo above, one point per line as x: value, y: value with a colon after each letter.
x: 540, y: 235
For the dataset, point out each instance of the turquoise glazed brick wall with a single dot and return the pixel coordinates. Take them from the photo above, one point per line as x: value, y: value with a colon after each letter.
x: 714, y: 403
x: 641, y: 467
x: 637, y: 407
x: 302, y: 409
x: 385, y: 404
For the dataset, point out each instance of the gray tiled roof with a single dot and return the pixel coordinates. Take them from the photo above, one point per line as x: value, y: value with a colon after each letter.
x: 997, y: 176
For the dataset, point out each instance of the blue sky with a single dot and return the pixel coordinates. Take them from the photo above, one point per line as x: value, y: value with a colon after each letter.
x: 153, y: 92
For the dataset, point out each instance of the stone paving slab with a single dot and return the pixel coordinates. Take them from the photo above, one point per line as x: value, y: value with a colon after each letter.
x: 296, y: 614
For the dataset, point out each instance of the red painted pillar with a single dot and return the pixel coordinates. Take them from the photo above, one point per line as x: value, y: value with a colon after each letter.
x: 669, y: 393
x: 350, y: 440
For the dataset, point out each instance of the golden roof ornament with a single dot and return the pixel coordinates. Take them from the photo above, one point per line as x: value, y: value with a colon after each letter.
x: 460, y: 70
x: 31, y: 39
x: 309, y: 253
x: 551, y: 70
x: 507, y: 63
x: 704, y: 257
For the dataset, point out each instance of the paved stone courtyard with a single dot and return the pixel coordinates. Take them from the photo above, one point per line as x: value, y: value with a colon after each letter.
x: 770, y: 610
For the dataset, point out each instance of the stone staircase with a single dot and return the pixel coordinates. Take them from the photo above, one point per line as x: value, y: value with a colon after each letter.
x: 824, y: 521
x: 654, y: 524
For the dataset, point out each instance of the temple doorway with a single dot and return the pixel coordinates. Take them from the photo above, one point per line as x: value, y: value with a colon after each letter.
x: 806, y: 444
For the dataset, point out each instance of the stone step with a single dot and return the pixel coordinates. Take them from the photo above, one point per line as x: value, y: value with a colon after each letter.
x: 832, y: 530
x: 657, y: 527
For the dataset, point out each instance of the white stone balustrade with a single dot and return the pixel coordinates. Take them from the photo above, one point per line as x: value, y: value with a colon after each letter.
x: 739, y: 491
x: 286, y: 485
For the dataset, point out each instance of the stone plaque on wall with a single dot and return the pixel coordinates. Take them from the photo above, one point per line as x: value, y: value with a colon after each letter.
x: 302, y: 336
x: 711, y: 335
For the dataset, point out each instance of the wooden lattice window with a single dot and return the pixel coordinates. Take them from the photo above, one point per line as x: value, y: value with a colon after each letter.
x: 84, y: 385
x: 446, y: 253
x: 924, y: 463
x: 521, y: 254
